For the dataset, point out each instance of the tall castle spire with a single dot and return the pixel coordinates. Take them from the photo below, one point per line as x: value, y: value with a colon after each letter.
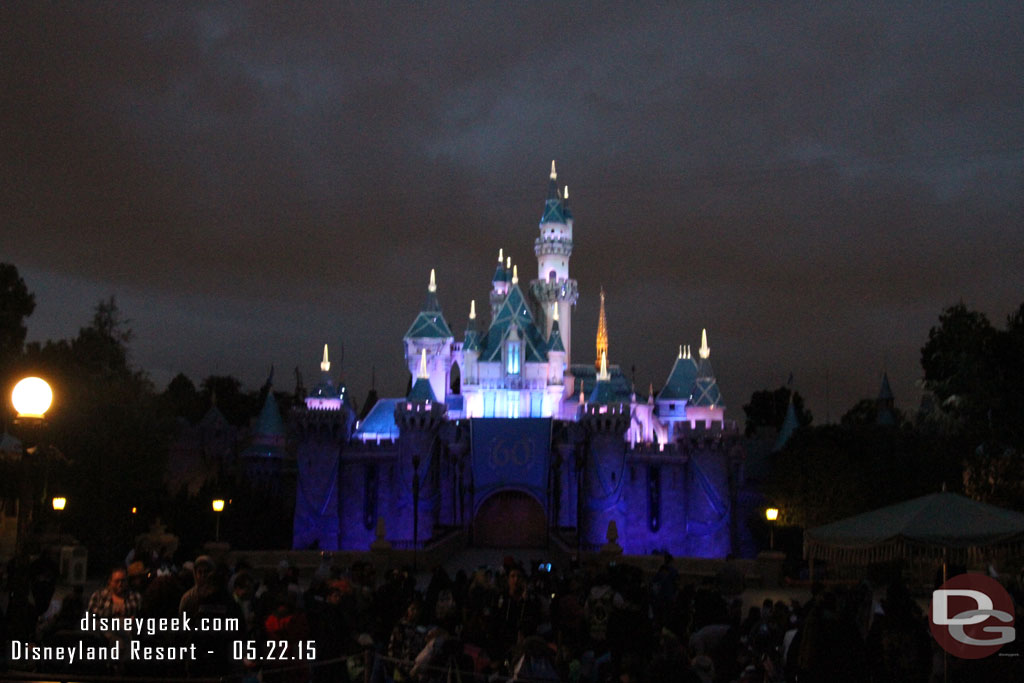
x: 553, y: 247
x: 602, y: 334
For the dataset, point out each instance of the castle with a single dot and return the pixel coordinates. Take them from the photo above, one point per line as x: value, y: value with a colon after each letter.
x: 503, y: 437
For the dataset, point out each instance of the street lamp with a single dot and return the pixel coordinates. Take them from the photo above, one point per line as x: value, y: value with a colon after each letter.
x: 58, y: 506
x: 32, y: 397
x: 771, y: 514
x: 218, y: 507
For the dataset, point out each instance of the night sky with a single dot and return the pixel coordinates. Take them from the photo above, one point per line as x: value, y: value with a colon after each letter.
x: 813, y: 183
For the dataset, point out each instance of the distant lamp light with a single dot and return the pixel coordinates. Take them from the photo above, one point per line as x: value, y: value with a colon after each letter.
x: 135, y: 510
x: 59, y: 502
x: 218, y: 505
x: 771, y: 514
x: 32, y: 397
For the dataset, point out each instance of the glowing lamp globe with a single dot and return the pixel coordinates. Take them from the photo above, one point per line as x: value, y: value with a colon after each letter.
x: 32, y: 397
x: 59, y: 502
x: 218, y: 505
x: 771, y: 514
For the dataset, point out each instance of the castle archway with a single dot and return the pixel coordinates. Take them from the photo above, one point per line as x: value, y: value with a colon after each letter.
x: 510, y: 519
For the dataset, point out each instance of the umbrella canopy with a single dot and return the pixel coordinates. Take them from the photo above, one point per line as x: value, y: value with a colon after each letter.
x: 930, y: 525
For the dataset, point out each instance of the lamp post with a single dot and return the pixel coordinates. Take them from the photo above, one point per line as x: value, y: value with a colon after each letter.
x: 31, y: 398
x: 58, y: 506
x: 771, y: 514
x: 218, y: 507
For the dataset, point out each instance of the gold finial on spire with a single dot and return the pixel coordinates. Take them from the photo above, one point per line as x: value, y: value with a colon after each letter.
x: 325, y: 364
x: 501, y: 256
x: 515, y: 275
x: 554, y: 175
x: 680, y: 352
x: 603, y: 376
x: 472, y: 309
x: 432, y: 287
x: 602, y: 333
x: 423, y: 365
x: 554, y: 312
x: 565, y: 195
x: 705, y: 350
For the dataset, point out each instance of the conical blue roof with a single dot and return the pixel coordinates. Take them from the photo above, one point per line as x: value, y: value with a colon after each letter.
x: 514, y: 312
x: 553, y: 212
x: 270, y: 422
x: 422, y: 391
x: 680, y: 381
x: 705, y: 391
x: 604, y: 392
x: 501, y: 275
x: 789, y: 425
x: 429, y: 324
x: 555, y: 340
x: 885, y: 393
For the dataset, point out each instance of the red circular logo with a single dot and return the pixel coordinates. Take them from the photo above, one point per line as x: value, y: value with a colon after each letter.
x: 971, y: 616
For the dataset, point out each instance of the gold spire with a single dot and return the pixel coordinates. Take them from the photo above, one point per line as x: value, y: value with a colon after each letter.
x: 432, y: 287
x: 554, y: 312
x: 680, y: 352
x: 565, y: 195
x: 603, y: 375
x: 501, y: 256
x: 704, y: 350
x: 325, y: 364
x: 472, y: 309
x: 515, y: 275
x: 508, y: 263
x: 602, y: 334
x: 423, y: 365
x: 554, y: 176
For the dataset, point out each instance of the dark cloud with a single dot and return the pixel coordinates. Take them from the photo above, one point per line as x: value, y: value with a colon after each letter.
x: 812, y: 184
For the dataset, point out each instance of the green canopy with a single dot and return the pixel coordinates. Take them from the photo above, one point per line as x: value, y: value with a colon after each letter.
x: 933, y: 525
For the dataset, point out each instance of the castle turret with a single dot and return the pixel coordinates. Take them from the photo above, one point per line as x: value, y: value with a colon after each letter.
x: 673, y: 397
x: 553, y: 248
x: 556, y: 365
x: 325, y: 395
x: 499, y: 284
x: 419, y: 417
x: 430, y: 332
x: 885, y: 415
x: 606, y: 419
x: 705, y: 398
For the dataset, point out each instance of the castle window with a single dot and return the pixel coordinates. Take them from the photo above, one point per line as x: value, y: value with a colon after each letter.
x: 552, y: 276
x: 512, y: 360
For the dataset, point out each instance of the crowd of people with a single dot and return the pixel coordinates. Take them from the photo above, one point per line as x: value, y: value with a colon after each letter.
x: 587, y: 624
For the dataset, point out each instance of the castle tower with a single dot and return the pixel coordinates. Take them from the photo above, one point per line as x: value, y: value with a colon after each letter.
x: 705, y: 403
x: 419, y: 418
x: 673, y: 397
x: 553, y: 248
x: 499, y: 284
x: 430, y: 332
x: 606, y: 420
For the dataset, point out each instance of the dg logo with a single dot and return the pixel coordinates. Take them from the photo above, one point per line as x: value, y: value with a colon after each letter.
x: 971, y: 616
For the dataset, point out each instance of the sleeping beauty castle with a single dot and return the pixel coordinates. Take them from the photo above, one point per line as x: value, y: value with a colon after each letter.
x: 504, y: 438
